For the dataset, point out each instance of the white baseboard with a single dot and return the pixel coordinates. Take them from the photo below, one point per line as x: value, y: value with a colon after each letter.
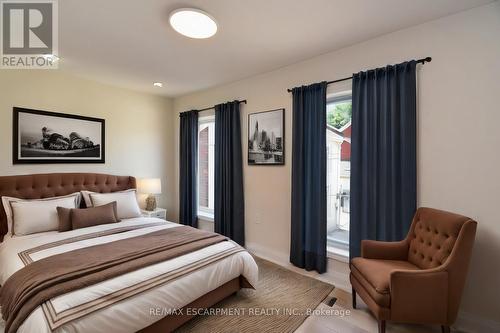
x: 466, y: 322
x: 278, y: 258
x: 332, y: 276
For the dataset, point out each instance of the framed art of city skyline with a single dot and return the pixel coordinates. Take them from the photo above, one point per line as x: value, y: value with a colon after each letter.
x: 50, y: 137
x: 266, y: 138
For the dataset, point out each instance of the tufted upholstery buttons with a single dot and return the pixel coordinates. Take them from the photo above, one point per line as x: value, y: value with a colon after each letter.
x: 57, y: 184
x: 431, y: 239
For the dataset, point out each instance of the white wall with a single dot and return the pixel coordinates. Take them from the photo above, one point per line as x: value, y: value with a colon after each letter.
x: 139, y: 127
x: 458, y: 136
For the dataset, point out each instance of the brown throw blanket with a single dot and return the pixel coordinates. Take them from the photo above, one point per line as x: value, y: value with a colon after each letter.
x: 53, y: 276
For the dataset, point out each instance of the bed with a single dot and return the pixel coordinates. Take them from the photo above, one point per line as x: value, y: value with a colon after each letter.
x: 155, y: 298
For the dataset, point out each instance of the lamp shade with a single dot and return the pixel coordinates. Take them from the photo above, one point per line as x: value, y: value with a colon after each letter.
x: 149, y: 186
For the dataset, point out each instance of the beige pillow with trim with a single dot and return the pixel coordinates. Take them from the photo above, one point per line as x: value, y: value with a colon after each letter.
x: 8, y: 209
x: 126, y: 202
x: 34, y: 216
x: 86, y: 195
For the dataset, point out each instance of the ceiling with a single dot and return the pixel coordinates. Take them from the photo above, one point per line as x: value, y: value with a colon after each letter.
x: 130, y: 43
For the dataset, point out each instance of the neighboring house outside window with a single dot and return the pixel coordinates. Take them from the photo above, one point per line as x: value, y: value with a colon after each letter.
x: 206, y: 155
x: 203, y: 168
x: 339, y: 113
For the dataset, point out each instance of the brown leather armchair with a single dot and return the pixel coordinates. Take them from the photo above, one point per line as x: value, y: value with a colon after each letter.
x: 421, y: 278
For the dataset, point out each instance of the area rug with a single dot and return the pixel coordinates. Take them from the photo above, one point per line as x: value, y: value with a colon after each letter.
x: 281, y: 302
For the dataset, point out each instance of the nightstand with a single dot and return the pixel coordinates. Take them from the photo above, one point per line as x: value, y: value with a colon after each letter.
x: 158, y: 212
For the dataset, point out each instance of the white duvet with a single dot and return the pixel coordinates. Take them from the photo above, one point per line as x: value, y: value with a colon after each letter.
x: 134, y: 312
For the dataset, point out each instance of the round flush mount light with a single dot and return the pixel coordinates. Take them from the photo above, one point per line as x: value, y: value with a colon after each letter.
x: 193, y: 23
x: 158, y: 84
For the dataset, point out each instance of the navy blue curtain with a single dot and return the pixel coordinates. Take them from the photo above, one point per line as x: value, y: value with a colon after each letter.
x: 188, y: 168
x: 229, y: 215
x: 308, y: 234
x: 383, y: 154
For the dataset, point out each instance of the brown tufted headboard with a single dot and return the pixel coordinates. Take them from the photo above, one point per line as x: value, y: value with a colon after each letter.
x: 56, y: 184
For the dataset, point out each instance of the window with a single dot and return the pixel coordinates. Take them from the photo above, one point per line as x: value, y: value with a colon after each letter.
x: 338, y: 147
x: 206, y: 155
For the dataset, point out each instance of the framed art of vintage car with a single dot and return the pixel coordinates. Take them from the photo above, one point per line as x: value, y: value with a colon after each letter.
x: 50, y: 137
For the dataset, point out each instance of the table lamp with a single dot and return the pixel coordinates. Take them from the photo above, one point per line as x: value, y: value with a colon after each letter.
x: 150, y: 186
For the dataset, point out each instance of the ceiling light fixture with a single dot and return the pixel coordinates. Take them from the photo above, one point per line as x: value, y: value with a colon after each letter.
x: 193, y: 23
x: 158, y: 84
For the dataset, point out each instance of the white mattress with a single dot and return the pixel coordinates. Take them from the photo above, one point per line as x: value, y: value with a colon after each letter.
x: 134, y: 312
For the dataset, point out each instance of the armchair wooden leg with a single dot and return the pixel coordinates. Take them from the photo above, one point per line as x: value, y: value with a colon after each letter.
x: 381, y: 326
x: 353, y: 298
x: 445, y: 329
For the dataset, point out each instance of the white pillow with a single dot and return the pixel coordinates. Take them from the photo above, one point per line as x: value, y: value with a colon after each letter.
x: 86, y: 196
x: 32, y: 216
x: 126, y: 202
x: 8, y: 209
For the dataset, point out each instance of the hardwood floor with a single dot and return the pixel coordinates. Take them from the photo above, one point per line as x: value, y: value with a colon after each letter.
x: 359, y: 320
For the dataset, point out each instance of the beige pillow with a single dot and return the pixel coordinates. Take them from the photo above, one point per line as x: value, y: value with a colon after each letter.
x: 126, y: 203
x: 89, y: 217
x: 33, y: 216
x: 6, y: 202
x: 88, y: 201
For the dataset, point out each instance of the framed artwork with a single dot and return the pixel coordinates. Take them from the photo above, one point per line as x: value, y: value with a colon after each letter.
x: 50, y: 137
x: 266, y: 138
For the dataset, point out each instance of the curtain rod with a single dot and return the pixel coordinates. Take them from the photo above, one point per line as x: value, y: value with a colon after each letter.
x: 422, y: 61
x: 213, y: 107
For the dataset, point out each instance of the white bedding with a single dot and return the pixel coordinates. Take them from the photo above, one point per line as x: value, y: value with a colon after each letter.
x: 134, y: 312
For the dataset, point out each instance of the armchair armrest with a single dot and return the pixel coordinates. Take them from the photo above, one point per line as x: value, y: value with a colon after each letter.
x: 419, y: 296
x: 384, y: 250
